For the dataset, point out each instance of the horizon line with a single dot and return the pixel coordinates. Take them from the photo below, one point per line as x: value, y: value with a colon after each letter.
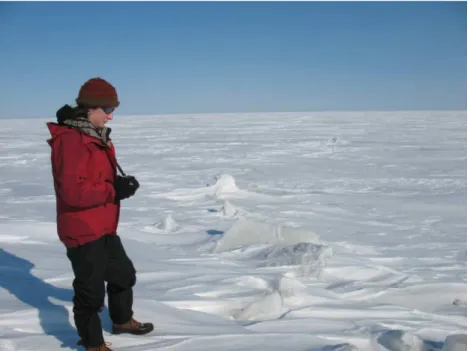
x: 253, y: 113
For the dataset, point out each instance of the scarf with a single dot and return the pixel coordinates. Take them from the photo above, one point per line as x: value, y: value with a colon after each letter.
x: 85, y: 126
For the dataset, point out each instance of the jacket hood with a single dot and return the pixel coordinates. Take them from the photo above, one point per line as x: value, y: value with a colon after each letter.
x: 56, y: 130
x: 66, y: 112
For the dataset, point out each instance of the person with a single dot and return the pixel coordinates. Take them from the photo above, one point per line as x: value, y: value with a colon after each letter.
x: 88, y: 194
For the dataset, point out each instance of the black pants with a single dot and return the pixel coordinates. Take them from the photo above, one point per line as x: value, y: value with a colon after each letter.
x: 93, y: 264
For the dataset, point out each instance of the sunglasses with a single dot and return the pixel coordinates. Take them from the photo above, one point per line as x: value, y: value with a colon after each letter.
x: 108, y: 110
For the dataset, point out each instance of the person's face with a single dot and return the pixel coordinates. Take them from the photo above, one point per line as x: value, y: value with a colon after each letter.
x: 100, y: 116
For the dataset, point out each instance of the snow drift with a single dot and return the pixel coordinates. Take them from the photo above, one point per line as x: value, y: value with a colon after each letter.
x: 168, y: 224
x: 225, y: 185
x: 399, y: 340
x: 247, y: 232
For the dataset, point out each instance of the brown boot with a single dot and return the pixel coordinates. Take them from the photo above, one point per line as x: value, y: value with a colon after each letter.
x: 132, y: 327
x: 103, y: 347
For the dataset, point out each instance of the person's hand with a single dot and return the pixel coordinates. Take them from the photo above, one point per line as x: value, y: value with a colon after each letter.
x: 125, y: 187
x: 133, y: 183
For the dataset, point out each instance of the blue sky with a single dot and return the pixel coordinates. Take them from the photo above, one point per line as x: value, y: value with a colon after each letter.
x: 189, y: 57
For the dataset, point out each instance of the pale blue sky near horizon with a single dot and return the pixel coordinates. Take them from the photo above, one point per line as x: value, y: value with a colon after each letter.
x: 218, y: 57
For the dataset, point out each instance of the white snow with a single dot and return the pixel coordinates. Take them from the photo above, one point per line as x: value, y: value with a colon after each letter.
x: 334, y: 231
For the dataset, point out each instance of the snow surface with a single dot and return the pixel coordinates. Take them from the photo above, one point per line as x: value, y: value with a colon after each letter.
x: 288, y: 231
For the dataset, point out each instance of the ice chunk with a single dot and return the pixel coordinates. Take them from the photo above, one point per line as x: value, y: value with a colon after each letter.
x: 456, y: 342
x: 247, y: 232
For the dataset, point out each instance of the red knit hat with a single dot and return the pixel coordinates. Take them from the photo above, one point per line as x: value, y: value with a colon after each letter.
x: 97, y: 92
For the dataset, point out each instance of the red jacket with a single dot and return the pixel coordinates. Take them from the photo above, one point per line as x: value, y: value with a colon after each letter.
x: 83, y: 170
